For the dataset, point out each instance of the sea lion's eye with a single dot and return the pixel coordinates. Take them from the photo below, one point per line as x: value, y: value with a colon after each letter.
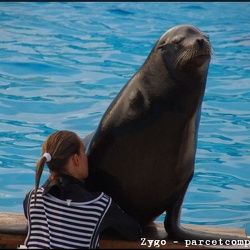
x: 162, y: 45
x: 178, y: 39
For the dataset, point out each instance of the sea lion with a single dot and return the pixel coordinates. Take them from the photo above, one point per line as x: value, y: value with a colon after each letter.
x: 142, y: 153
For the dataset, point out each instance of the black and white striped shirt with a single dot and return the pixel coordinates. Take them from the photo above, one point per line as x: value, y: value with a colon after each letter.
x: 55, y: 223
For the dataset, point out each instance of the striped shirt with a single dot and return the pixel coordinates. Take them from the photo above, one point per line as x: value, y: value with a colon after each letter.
x: 55, y: 223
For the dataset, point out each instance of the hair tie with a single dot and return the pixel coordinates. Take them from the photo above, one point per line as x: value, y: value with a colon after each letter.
x: 47, y: 156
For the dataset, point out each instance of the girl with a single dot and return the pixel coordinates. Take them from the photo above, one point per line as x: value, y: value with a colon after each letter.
x: 62, y: 213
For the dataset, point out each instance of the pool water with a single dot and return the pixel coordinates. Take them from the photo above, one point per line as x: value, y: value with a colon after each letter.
x: 63, y: 63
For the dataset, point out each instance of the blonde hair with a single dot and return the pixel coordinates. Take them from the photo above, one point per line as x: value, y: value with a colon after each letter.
x: 60, y: 145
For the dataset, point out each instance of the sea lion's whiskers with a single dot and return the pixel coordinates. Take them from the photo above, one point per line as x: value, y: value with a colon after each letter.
x: 184, y: 57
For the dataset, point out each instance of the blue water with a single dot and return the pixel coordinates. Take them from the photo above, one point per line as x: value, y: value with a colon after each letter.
x: 63, y: 63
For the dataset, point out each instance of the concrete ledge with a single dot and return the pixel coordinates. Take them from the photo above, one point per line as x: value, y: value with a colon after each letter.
x: 13, y: 232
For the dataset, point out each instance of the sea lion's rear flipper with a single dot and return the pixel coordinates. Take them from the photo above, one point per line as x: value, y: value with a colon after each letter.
x: 177, y: 232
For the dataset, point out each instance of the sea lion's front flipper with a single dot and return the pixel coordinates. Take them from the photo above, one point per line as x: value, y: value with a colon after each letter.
x: 87, y: 139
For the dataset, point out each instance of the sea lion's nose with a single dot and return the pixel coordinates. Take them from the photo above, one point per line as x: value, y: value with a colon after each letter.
x: 200, y: 42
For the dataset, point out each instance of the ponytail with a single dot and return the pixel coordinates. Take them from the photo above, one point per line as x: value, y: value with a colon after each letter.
x: 39, y: 169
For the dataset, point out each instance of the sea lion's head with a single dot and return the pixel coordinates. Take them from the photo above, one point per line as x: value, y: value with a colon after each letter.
x: 185, y: 48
